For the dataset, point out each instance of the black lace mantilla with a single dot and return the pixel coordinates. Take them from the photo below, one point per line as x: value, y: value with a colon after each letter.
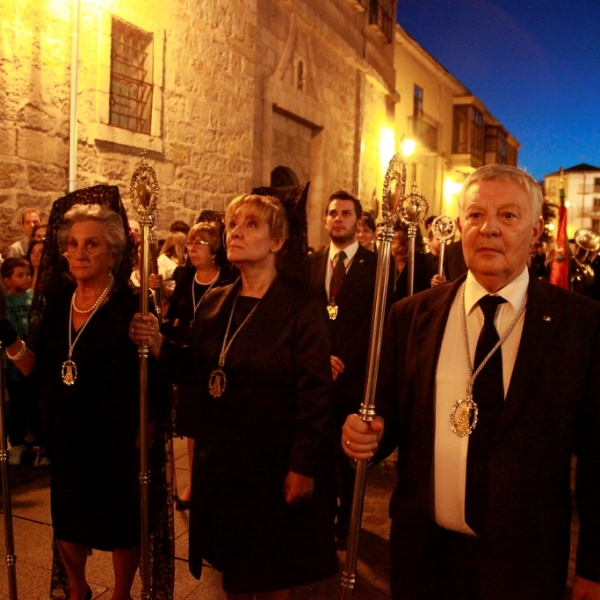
x: 54, y: 273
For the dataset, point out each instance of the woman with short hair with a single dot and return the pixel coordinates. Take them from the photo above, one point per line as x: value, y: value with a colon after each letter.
x: 262, y: 500
x: 86, y: 371
x: 204, y: 244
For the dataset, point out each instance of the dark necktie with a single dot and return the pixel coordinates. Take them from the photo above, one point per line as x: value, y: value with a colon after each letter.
x: 488, y: 394
x: 337, y: 275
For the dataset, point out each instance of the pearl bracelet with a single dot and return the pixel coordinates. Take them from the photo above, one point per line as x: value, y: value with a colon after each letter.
x: 20, y: 354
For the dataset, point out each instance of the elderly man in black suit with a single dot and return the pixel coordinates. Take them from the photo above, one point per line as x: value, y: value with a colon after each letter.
x: 487, y: 387
x: 343, y: 276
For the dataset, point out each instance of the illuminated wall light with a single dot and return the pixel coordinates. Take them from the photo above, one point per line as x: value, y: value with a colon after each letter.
x: 387, y: 147
x: 408, y: 147
x: 451, y: 190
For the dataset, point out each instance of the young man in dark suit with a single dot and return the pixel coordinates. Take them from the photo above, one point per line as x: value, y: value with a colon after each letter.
x: 343, y: 276
x: 482, y: 507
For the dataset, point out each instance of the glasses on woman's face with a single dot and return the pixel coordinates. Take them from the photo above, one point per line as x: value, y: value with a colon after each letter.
x: 196, y: 244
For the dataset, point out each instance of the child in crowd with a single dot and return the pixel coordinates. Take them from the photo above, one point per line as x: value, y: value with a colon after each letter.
x: 16, y: 275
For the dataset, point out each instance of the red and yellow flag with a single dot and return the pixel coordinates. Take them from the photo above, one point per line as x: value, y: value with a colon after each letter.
x: 559, y: 273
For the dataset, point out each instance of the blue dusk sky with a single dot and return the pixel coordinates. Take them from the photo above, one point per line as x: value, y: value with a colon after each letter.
x: 535, y: 64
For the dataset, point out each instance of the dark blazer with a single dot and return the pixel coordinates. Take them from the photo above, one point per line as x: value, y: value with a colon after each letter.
x: 552, y: 408
x: 274, y: 416
x: 351, y: 330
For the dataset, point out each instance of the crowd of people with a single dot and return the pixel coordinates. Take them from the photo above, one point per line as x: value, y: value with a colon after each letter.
x: 262, y: 360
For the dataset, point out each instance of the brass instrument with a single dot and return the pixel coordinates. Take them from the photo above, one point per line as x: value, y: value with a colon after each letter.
x: 9, y: 540
x: 588, y: 242
x: 443, y: 228
x: 412, y: 209
x: 144, y: 195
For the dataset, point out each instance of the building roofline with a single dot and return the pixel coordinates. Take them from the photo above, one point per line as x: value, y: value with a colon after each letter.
x: 580, y: 168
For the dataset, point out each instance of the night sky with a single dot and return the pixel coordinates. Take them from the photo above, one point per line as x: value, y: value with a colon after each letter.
x: 535, y: 64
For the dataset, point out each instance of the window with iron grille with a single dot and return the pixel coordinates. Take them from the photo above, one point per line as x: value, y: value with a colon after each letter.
x: 130, y: 77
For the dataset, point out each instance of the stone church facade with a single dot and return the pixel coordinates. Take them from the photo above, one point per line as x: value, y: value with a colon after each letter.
x: 223, y: 95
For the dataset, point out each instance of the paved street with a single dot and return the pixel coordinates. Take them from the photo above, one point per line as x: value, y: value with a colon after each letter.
x: 33, y: 536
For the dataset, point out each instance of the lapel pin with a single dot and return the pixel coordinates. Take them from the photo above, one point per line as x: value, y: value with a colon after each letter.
x: 362, y: 260
x: 547, y: 318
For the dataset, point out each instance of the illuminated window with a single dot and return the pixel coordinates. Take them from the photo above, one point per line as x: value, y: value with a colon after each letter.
x: 130, y: 77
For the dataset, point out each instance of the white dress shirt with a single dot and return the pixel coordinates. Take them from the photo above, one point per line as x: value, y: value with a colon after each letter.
x: 333, y: 252
x: 450, y: 460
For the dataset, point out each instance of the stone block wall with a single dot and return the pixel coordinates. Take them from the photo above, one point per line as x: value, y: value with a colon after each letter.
x: 34, y: 124
x: 226, y: 102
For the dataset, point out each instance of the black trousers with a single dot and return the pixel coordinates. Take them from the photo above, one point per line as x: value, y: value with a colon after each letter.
x: 448, y: 566
x: 449, y: 569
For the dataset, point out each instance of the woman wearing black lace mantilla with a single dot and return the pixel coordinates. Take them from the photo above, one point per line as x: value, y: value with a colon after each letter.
x: 87, y: 375
x: 262, y: 504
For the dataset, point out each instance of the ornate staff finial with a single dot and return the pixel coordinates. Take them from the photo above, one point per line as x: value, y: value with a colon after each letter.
x: 444, y: 228
x: 143, y: 190
x: 413, y: 210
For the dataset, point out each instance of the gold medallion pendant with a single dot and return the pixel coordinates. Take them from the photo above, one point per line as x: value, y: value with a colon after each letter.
x: 333, y: 310
x: 463, y: 417
x: 69, y: 372
x: 217, y: 383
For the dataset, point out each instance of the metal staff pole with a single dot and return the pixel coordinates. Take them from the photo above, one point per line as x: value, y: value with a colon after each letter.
x: 413, y: 210
x: 394, y: 187
x: 144, y: 194
x: 443, y: 228
x: 9, y: 540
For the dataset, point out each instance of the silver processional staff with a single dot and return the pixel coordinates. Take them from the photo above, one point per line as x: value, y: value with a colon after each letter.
x: 412, y: 209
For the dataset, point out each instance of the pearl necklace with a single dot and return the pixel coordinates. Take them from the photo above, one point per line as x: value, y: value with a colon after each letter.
x: 95, y: 305
x: 69, y: 368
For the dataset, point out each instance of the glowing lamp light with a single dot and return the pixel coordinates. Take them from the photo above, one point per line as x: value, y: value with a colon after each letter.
x: 408, y: 147
x: 550, y: 226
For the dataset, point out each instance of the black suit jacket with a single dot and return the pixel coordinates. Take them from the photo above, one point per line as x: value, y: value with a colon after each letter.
x: 552, y: 408
x: 351, y: 330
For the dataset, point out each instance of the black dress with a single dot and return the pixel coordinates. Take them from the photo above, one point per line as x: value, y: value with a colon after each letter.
x: 274, y: 416
x: 93, y: 424
x: 181, y: 314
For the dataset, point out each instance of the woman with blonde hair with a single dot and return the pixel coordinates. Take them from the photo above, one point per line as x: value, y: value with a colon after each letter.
x: 171, y: 256
x: 262, y: 500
